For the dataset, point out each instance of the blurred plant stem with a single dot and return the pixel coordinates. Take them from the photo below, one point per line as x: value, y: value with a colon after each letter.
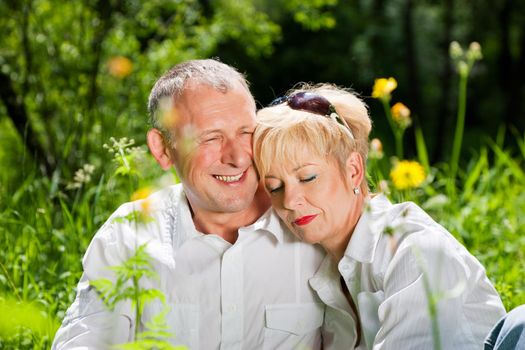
x: 432, y: 299
x: 458, y: 135
x: 128, y: 276
x: 464, y: 61
x: 398, y: 132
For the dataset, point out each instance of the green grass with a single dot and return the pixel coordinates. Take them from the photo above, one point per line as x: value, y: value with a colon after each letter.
x: 44, y: 232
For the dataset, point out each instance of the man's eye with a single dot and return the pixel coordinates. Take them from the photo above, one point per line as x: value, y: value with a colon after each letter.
x: 309, y: 178
x: 210, y: 139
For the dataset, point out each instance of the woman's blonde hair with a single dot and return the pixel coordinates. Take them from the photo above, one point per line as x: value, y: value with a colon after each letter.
x: 282, y: 131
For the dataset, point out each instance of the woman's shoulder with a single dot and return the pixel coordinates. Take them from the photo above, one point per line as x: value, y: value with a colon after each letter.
x: 409, y: 230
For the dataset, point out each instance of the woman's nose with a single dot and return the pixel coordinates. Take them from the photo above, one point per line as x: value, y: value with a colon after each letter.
x: 293, y: 198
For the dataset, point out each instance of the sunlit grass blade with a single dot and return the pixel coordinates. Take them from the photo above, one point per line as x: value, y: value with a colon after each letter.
x: 421, y: 147
x: 474, y: 174
x: 505, y: 158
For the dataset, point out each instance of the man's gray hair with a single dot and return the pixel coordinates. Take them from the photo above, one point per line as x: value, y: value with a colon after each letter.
x: 171, y: 85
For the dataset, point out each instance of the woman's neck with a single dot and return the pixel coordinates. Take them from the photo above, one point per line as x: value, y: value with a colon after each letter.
x: 335, y: 246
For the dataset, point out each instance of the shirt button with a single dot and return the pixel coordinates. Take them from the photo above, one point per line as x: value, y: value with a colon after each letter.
x: 345, y: 267
x: 231, y: 308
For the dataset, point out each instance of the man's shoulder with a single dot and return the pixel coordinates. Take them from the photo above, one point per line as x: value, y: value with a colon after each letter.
x: 143, y: 215
x: 145, y: 221
x: 166, y: 199
x: 157, y: 201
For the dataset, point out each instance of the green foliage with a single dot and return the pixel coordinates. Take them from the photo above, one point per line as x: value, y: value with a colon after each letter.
x: 138, y: 266
x: 313, y: 15
x: 48, y: 227
x: 154, y: 337
x: 127, y: 159
x: 127, y: 286
x: 239, y: 20
x: 18, y: 315
x: 83, y: 70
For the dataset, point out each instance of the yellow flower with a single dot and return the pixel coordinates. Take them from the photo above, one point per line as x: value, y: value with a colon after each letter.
x: 383, y: 88
x: 119, y: 66
x: 143, y: 194
x: 145, y: 205
x: 169, y: 114
x: 401, y: 115
x: 407, y: 174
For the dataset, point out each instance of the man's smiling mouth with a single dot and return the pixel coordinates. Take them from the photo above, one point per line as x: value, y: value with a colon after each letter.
x: 225, y: 178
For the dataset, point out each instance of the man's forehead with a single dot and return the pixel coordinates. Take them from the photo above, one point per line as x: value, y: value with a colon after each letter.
x: 204, y: 106
x: 196, y: 94
x: 192, y: 87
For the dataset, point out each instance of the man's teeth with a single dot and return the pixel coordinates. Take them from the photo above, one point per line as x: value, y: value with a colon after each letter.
x: 228, y: 178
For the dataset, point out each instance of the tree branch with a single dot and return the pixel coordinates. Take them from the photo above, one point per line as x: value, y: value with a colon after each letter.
x: 18, y: 114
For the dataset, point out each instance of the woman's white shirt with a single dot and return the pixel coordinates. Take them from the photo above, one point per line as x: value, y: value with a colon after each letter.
x: 397, y: 257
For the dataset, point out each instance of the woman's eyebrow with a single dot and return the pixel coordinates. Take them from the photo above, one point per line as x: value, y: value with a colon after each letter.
x: 302, y: 166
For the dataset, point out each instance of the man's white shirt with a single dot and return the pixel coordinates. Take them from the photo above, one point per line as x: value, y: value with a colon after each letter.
x: 253, y: 294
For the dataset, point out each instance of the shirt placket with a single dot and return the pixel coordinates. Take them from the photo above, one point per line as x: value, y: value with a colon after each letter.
x: 348, y: 270
x: 232, y: 298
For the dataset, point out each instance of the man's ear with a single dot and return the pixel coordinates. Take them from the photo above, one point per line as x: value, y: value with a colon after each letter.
x: 355, y: 169
x: 158, y: 149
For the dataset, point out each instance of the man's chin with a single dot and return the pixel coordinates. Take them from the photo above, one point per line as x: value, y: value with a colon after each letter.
x: 235, y: 205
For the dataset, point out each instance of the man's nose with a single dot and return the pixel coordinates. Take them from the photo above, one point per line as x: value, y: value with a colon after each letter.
x: 237, y: 154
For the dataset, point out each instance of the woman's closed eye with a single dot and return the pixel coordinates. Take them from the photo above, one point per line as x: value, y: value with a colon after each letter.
x: 277, y: 188
x: 309, y: 178
x: 273, y: 186
x: 273, y: 189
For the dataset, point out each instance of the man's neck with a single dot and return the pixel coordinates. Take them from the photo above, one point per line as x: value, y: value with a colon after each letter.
x: 226, y: 225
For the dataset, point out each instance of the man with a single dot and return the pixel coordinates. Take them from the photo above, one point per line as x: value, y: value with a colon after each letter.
x: 233, y: 278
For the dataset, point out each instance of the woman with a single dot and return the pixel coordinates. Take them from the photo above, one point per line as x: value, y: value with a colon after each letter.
x: 384, y: 261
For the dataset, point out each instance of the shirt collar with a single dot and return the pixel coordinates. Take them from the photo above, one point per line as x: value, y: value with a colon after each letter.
x: 366, y: 235
x: 325, y: 275
x: 269, y: 221
x: 185, y: 220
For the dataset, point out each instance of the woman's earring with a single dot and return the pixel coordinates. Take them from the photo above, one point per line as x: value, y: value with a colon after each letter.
x: 356, y: 190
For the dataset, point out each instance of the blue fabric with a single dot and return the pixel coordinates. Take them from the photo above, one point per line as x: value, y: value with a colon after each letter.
x: 509, y: 332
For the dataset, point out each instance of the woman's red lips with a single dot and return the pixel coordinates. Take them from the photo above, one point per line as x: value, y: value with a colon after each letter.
x: 303, y: 220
